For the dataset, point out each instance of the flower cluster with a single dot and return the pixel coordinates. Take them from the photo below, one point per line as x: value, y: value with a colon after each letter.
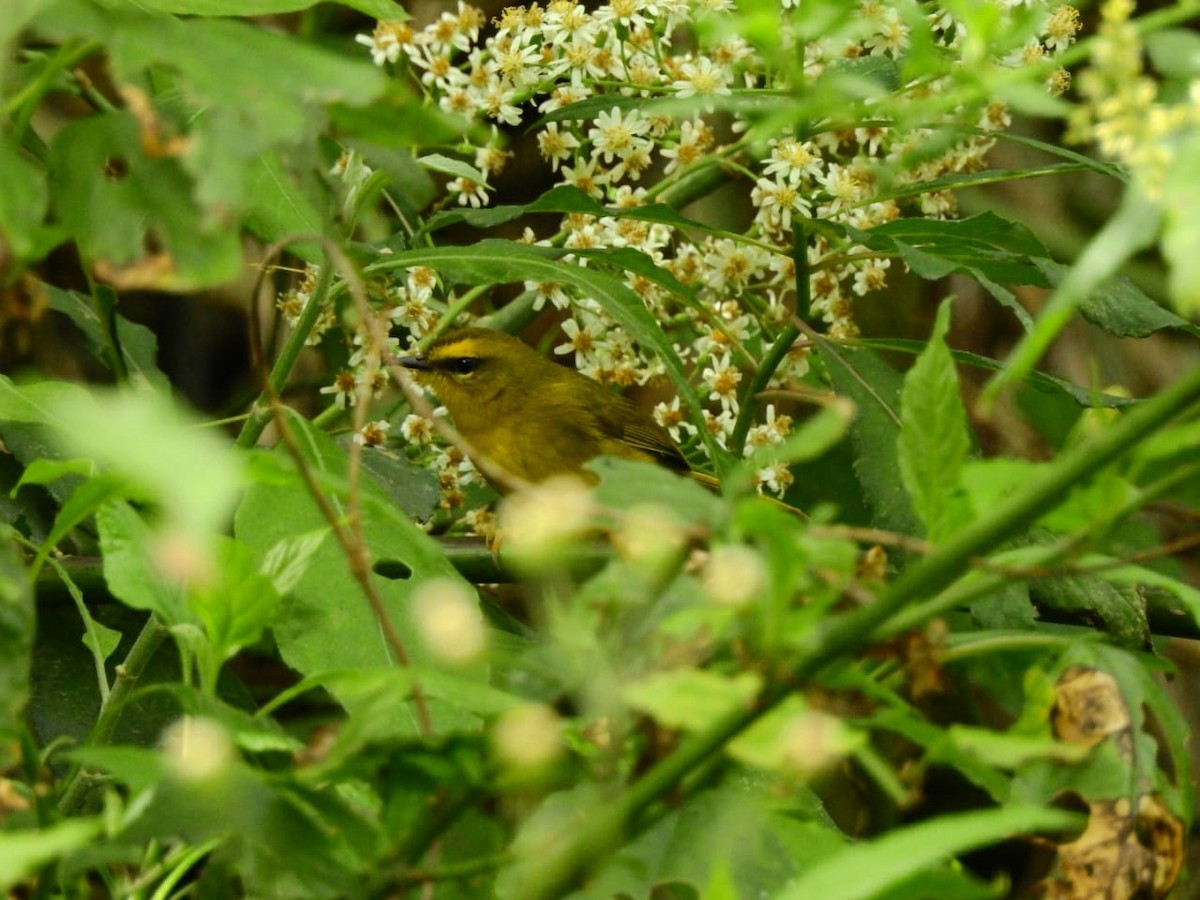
x: 1123, y: 112
x: 687, y: 94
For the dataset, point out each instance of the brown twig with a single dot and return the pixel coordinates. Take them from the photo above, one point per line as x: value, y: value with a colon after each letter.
x: 350, y: 536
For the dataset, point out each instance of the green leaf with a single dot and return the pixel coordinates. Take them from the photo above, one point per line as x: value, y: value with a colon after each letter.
x: 1181, y: 232
x: 437, y: 162
x: 1119, y: 306
x: 48, y: 471
x: 115, y: 199
x: 565, y: 199
x: 326, y: 623
x: 1116, y: 609
x: 1175, y: 52
x: 281, y: 204
x: 24, y: 200
x: 236, y: 609
x: 233, y: 97
x: 934, y: 441
x: 16, y: 647
x: 1132, y: 227
x: 1049, y: 384
x: 868, y: 868
x: 771, y: 743
x: 387, y: 10
x: 41, y: 403
x: 691, y: 699
x: 192, y: 471
x: 139, y: 345
x: 984, y: 245
x: 874, y: 387
x: 130, y: 570
x: 23, y: 852
x: 624, y: 483
x: 775, y: 840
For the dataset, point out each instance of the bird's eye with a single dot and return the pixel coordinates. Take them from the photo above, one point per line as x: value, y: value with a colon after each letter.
x: 463, y: 365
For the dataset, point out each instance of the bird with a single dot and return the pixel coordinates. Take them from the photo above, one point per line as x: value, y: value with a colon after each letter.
x: 532, y: 418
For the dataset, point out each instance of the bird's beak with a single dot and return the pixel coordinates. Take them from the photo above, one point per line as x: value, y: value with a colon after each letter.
x: 415, y: 362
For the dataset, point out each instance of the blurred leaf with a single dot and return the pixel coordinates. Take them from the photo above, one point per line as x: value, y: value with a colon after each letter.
x: 16, y: 647
x: 239, y: 606
x: 387, y: 10
x: 1005, y: 750
x: 691, y: 699
x: 396, y: 119
x: 776, y: 840
x: 326, y: 624
x: 242, y: 101
x: 192, y: 471
x: 1175, y: 52
x: 139, y: 345
x: 624, y: 484
x: 116, y: 200
x: 40, y: 402
x: 1181, y: 232
x: 865, y: 869
x: 24, y: 199
x: 130, y: 569
x: 934, y: 441
x: 22, y: 852
x: 782, y: 740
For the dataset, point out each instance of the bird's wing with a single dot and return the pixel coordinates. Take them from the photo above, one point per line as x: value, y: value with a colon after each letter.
x: 648, y: 436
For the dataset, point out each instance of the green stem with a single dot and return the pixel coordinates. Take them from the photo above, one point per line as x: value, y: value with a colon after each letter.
x: 606, y: 828
x: 260, y: 412
x: 153, y: 633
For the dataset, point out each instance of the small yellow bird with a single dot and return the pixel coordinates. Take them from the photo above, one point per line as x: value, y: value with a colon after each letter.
x: 532, y: 417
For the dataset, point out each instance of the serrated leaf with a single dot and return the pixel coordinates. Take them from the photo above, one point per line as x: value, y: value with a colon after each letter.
x: 934, y: 440
x: 1049, y: 384
x: 874, y: 388
x: 1119, y: 306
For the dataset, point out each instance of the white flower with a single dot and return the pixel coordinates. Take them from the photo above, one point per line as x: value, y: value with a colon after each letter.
x: 618, y: 135
x: 702, y: 77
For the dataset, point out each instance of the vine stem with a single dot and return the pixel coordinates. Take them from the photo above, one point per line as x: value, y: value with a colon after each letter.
x: 153, y: 633
x: 347, y: 530
x: 605, y: 826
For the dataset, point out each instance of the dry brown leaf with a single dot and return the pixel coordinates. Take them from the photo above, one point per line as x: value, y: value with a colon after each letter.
x: 1088, y: 707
